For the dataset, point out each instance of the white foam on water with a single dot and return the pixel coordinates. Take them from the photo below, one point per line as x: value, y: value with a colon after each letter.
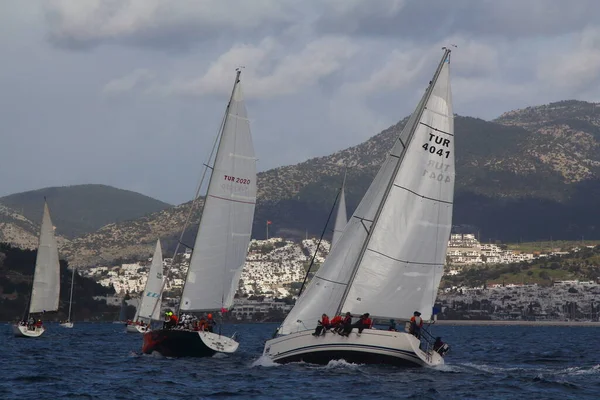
x: 340, y: 364
x: 219, y: 355
x: 264, y: 361
x: 580, y: 370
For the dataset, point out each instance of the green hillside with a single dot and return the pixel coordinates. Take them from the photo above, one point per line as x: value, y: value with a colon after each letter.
x: 81, y: 209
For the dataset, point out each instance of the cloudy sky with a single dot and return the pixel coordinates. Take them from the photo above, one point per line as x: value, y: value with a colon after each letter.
x: 130, y: 93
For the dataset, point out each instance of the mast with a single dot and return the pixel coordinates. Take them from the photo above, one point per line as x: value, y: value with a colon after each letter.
x: 71, y: 295
x: 390, y: 183
x: 218, y: 146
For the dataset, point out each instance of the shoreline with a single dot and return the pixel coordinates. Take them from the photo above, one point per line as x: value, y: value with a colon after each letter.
x: 467, y: 322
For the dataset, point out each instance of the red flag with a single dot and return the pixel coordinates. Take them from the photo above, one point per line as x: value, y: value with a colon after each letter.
x: 269, y: 222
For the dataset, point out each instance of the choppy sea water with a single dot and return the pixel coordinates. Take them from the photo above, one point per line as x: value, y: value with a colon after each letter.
x: 101, y: 361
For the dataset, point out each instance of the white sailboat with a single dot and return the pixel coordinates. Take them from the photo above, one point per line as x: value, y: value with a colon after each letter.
x: 341, y: 218
x: 222, y: 241
x: 149, y: 307
x: 68, y: 323
x: 390, y: 258
x: 45, y: 290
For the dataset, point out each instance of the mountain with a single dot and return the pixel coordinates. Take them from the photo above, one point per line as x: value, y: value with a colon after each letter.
x: 530, y: 174
x: 80, y: 209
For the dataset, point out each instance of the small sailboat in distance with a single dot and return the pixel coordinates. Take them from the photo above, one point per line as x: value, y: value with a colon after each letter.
x: 68, y: 323
x: 149, y: 307
x: 222, y: 241
x: 45, y: 289
x: 390, y: 259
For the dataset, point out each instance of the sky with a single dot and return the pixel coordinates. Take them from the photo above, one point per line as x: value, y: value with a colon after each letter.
x: 130, y: 93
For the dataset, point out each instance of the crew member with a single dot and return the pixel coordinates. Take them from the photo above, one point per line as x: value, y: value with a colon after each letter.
x: 416, y: 323
x: 347, y: 325
x: 364, y: 322
x: 392, y: 326
x: 336, y: 324
x: 322, y: 325
x: 210, y: 323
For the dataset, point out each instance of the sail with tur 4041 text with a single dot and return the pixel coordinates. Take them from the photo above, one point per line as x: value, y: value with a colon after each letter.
x: 390, y: 259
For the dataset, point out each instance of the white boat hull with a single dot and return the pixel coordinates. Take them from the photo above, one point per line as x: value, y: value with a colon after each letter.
x: 136, y: 329
x: 371, y: 347
x: 67, y: 324
x: 23, y: 331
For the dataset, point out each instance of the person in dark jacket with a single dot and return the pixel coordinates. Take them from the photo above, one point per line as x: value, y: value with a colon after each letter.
x: 364, y: 322
x: 347, y: 325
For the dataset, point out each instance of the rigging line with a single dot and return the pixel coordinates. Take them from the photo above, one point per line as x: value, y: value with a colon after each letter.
x: 424, y: 197
x: 312, y: 261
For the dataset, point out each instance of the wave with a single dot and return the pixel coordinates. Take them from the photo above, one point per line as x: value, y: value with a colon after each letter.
x: 264, y: 361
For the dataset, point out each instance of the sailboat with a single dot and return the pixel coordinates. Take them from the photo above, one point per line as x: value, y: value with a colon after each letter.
x: 68, y: 323
x: 149, y: 308
x: 390, y: 258
x: 222, y: 241
x: 341, y: 218
x: 45, y: 289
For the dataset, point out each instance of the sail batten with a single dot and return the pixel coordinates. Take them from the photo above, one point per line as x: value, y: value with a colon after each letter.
x: 226, y: 224
x: 46, y: 280
x: 389, y: 261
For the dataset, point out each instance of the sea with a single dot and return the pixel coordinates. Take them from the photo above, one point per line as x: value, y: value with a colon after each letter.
x: 101, y: 361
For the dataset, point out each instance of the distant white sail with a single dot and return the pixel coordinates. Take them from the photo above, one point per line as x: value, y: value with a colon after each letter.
x: 393, y: 268
x: 148, y: 307
x: 341, y: 218
x: 226, y: 225
x: 46, y: 279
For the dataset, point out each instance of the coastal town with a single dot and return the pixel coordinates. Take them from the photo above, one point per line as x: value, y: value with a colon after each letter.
x: 275, y: 269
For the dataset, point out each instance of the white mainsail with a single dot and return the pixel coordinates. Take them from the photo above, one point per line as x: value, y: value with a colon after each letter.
x: 46, y: 279
x: 149, y: 307
x: 226, y: 224
x: 341, y: 218
x: 390, y: 259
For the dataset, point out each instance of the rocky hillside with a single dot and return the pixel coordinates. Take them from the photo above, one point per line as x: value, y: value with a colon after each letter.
x: 80, y: 209
x: 530, y: 174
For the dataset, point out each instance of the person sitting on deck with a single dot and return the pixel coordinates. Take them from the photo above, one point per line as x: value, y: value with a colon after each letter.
x: 346, y: 325
x: 416, y: 323
x: 336, y: 324
x: 322, y: 326
x: 210, y: 323
x: 364, y: 322
x: 392, y: 326
x: 38, y: 324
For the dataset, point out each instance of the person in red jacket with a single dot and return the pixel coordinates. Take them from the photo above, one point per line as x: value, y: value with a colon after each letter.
x: 364, y: 322
x: 322, y: 325
x: 416, y: 323
x: 336, y: 324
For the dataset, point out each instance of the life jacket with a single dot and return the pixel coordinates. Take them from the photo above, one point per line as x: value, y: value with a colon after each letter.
x: 174, y: 318
x: 325, y: 321
x: 367, y: 322
x: 336, y: 320
x: 418, y: 321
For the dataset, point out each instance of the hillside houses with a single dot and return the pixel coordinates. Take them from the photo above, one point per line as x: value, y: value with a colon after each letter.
x: 465, y: 249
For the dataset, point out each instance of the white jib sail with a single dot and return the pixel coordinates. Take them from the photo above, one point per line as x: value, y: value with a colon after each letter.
x: 46, y: 279
x: 402, y: 266
x: 341, y: 218
x: 223, y: 237
x: 148, y: 308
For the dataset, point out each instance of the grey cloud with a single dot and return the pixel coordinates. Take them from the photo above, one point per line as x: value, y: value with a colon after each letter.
x: 161, y: 24
x: 436, y: 19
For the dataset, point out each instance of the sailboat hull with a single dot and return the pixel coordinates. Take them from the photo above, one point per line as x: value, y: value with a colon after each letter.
x: 67, y: 325
x: 186, y: 343
x: 131, y: 328
x: 23, y: 331
x: 371, y: 347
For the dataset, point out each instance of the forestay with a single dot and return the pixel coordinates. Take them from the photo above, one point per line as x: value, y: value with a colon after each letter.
x: 46, y: 279
x: 149, y: 309
x: 403, y: 263
x: 224, y: 233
